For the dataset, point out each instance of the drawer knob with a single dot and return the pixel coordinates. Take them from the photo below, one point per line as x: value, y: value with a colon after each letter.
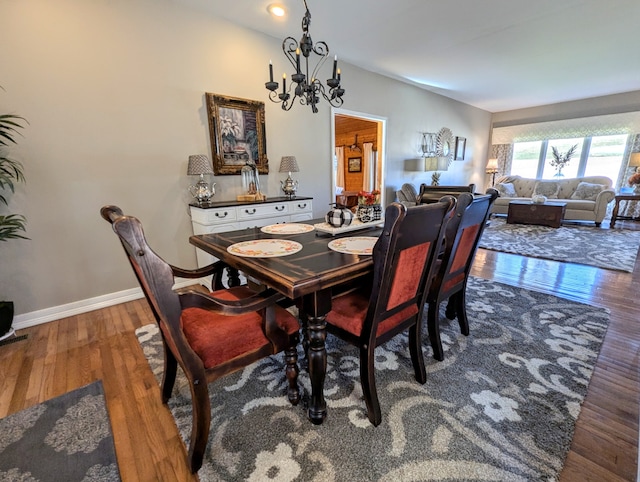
x: 280, y: 208
x: 220, y: 215
x: 302, y: 206
x: 253, y: 211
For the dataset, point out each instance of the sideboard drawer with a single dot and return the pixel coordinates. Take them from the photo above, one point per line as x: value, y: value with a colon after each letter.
x: 213, y: 216
x: 302, y: 206
x: 264, y: 211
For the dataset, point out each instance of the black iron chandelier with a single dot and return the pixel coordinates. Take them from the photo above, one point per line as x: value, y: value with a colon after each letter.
x: 309, y: 91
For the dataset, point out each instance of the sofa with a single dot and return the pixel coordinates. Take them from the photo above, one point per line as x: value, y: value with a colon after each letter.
x: 408, y: 195
x: 586, y: 197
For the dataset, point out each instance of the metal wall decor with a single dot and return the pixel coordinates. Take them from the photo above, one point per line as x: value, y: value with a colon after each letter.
x: 237, y: 130
x: 308, y: 87
x: 445, y: 144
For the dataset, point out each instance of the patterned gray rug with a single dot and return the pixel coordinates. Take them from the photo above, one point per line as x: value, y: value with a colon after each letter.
x: 65, y: 439
x: 615, y: 249
x: 501, y: 406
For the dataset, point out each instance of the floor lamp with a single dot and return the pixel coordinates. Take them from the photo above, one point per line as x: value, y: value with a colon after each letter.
x: 492, y: 168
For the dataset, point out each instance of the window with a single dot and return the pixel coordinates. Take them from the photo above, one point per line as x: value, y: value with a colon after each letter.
x: 526, y: 156
x: 605, y: 156
x: 563, y: 146
x: 594, y: 156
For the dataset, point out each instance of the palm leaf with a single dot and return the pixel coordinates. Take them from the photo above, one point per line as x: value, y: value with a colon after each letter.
x: 11, y: 226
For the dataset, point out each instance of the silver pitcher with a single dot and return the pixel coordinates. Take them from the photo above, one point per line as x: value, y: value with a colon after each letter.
x: 202, y: 191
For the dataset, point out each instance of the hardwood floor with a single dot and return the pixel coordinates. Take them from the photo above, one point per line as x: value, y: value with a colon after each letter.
x: 60, y: 356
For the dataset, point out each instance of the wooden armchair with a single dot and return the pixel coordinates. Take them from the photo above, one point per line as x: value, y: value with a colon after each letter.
x: 450, y: 280
x: 208, y: 335
x: 403, y: 258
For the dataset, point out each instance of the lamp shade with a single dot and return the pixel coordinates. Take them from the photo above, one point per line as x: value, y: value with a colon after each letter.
x: 289, y: 164
x: 492, y: 166
x: 199, y: 164
x: 634, y: 159
x: 430, y: 163
x: 436, y: 164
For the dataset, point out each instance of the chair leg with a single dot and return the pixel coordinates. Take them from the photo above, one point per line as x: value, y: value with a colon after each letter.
x: 461, y: 309
x: 169, y: 373
x: 201, y: 419
x: 417, y: 358
x: 433, y: 326
x: 368, y: 381
x: 291, y: 358
x: 450, y: 311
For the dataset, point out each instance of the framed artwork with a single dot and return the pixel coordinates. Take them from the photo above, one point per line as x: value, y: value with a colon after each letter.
x: 461, y: 143
x: 237, y: 130
x: 355, y: 164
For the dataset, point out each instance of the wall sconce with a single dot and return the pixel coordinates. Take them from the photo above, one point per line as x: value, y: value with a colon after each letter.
x: 289, y: 186
x: 428, y: 144
x: 492, y: 168
x: 634, y: 160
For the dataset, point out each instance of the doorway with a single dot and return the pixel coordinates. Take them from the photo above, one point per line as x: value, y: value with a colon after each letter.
x: 358, y: 170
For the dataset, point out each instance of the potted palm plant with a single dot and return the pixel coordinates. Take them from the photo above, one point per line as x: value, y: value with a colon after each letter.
x: 11, y: 225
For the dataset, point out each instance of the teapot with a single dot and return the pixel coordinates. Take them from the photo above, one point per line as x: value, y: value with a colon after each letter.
x: 289, y: 186
x: 202, y: 191
x: 339, y: 216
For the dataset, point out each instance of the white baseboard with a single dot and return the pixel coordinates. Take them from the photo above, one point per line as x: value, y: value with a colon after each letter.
x: 34, y: 318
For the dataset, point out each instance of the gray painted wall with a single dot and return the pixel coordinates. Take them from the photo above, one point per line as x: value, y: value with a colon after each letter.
x: 114, y: 95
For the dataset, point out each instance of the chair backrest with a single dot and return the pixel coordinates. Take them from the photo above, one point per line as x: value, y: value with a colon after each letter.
x: 155, y: 277
x: 461, y: 242
x: 403, y: 260
x: 432, y: 194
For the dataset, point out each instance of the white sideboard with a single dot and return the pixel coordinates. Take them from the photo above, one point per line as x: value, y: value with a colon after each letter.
x: 218, y: 217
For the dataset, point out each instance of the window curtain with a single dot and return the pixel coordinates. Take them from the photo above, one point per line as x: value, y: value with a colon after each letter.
x: 368, y: 165
x: 629, y: 208
x: 340, y: 167
x: 504, y: 154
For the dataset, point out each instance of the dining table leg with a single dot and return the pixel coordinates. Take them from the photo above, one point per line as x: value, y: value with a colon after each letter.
x: 316, y: 306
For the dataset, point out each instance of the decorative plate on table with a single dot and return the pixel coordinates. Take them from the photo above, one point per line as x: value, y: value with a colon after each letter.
x: 287, y: 228
x: 264, y: 248
x: 354, y: 245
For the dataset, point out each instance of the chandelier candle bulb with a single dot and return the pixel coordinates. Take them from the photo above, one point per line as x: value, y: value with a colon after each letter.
x: 270, y: 71
x: 297, y: 61
x: 284, y: 84
x: 335, y: 66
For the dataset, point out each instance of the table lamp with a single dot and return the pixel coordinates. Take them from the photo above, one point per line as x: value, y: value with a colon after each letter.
x: 634, y: 160
x: 289, y: 186
x: 202, y: 191
x: 492, y: 168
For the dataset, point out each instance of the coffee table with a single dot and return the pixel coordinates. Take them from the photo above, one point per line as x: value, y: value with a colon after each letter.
x: 543, y: 214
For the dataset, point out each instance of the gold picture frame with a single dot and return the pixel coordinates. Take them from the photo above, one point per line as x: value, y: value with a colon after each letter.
x: 237, y: 130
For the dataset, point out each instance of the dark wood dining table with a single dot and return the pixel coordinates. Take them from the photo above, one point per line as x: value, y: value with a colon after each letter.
x: 308, y: 277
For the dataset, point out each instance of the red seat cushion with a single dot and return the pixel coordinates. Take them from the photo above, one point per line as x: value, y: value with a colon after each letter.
x: 219, y: 338
x: 349, y: 311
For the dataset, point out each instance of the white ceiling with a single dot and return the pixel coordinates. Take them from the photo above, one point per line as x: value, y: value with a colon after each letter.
x: 494, y: 54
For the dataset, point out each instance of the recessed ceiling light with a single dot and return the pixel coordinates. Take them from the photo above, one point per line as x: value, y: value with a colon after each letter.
x: 276, y: 10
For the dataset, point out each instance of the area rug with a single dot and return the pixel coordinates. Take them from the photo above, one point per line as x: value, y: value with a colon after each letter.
x: 501, y: 406
x: 614, y: 249
x: 66, y: 439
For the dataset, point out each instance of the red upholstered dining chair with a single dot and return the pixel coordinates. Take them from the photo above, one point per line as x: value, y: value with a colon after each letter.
x: 452, y: 271
x: 208, y: 335
x: 403, y: 258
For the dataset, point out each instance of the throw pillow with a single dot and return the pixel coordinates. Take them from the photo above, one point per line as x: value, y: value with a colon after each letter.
x: 547, y: 188
x: 506, y: 189
x: 587, y: 191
